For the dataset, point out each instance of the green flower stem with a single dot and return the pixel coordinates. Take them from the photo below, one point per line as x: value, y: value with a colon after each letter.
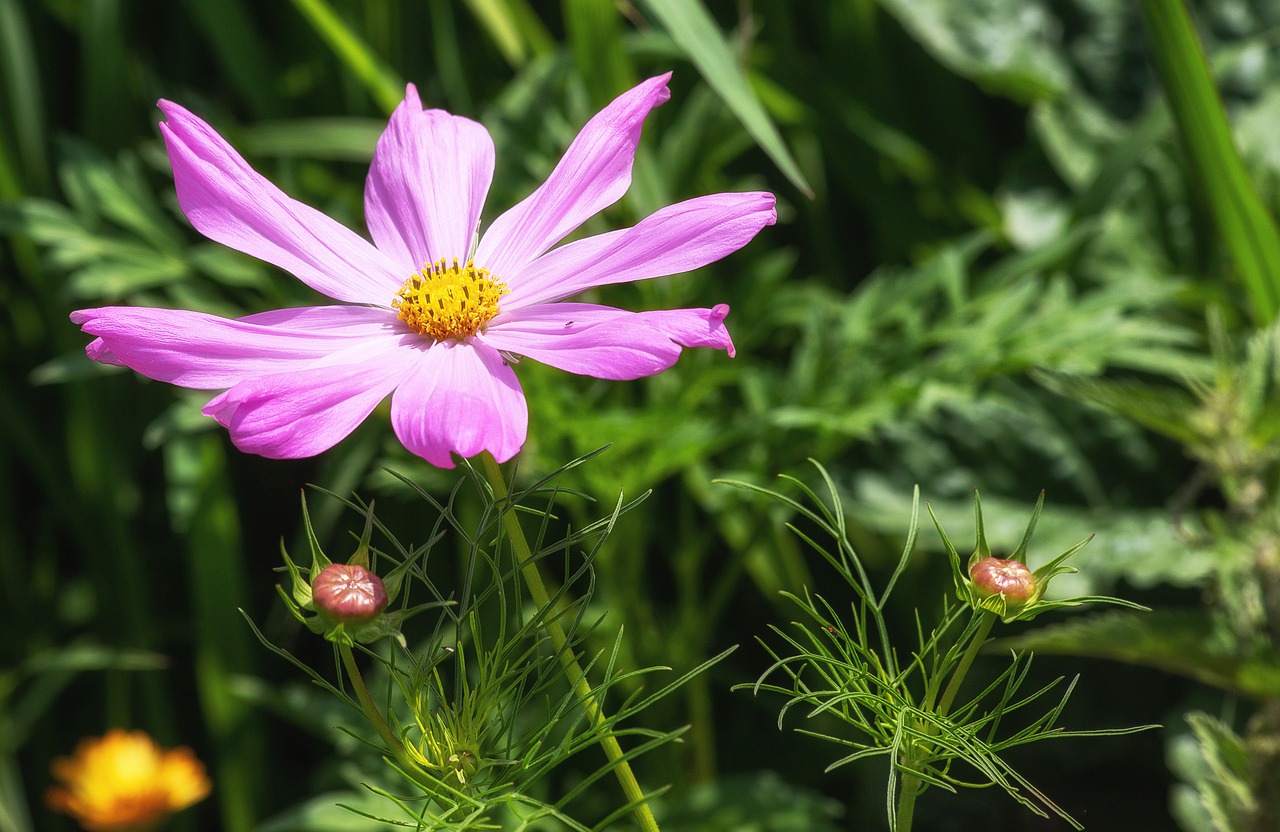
x: 912, y: 786
x: 979, y: 639
x: 371, y: 710
x: 568, y: 662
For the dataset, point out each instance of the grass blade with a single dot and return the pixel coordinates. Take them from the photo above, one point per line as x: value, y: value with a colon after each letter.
x: 695, y: 32
x: 383, y: 85
x: 1248, y: 230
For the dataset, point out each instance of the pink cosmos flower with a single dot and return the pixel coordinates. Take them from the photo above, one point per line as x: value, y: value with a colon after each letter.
x: 428, y: 314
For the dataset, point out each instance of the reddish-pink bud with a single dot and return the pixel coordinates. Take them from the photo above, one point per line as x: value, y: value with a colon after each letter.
x: 998, y: 576
x: 349, y: 592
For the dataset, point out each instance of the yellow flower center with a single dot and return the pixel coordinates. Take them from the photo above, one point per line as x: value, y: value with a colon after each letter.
x: 444, y: 302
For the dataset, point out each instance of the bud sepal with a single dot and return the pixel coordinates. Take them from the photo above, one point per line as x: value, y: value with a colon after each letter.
x: 1007, y: 587
x: 351, y: 602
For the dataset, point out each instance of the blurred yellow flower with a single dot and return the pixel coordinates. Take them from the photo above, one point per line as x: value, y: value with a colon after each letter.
x: 124, y: 781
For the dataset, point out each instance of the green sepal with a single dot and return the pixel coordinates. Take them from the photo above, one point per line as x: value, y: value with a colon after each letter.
x: 300, y: 600
x: 318, y: 558
x: 294, y: 608
x: 386, y: 625
x: 998, y: 604
x: 360, y: 557
x: 1020, y: 553
x: 301, y: 587
x: 958, y: 574
x: 981, y: 550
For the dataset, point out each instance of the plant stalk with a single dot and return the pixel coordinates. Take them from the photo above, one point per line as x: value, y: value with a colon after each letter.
x: 568, y: 662
x: 1248, y: 230
x: 979, y: 639
x: 371, y: 711
x: 907, y: 793
x: 912, y: 786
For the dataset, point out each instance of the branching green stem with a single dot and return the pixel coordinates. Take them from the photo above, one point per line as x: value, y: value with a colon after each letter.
x: 371, y: 713
x: 957, y: 678
x: 568, y: 662
x: 912, y: 786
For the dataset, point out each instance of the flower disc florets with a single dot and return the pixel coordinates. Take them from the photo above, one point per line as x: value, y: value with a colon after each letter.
x: 349, y: 592
x: 444, y: 302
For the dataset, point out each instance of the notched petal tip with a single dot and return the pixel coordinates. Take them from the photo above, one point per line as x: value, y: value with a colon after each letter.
x: 412, y: 100
x: 772, y: 202
x: 716, y: 321
x: 97, y: 350
x: 661, y: 92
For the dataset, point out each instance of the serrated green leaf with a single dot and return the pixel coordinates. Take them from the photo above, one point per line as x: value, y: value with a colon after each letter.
x: 1165, y: 410
x: 1188, y: 643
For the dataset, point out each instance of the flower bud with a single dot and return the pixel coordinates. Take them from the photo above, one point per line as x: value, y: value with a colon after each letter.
x: 348, y: 592
x: 999, y: 576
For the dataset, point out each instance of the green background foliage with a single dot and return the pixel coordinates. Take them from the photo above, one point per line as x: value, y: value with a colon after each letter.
x: 1002, y: 260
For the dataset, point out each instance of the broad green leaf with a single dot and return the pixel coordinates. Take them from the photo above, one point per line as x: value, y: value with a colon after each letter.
x: 1140, y: 546
x: 1166, y: 410
x: 104, y: 61
x: 333, y: 812
x: 228, y: 28
x: 1217, y: 765
x: 763, y: 801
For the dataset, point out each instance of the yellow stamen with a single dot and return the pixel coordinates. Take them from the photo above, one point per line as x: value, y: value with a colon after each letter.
x: 443, y: 302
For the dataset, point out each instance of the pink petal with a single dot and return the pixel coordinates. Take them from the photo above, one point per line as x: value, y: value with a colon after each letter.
x: 430, y: 174
x: 193, y: 349
x: 675, y: 239
x: 462, y: 398
x: 593, y: 174
x: 610, y: 343
x: 299, y: 414
x: 227, y: 201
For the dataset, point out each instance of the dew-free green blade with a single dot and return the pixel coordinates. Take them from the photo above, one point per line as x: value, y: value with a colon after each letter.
x: 1248, y: 230
x: 695, y: 32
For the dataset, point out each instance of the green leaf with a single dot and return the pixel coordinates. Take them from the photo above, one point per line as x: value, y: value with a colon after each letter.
x: 341, y: 139
x: 383, y: 85
x: 23, y: 108
x: 1215, y: 763
x: 999, y: 44
x: 514, y: 27
x: 332, y: 812
x: 1189, y: 643
x: 750, y: 802
x: 595, y: 36
x: 696, y: 33
x: 1248, y: 230
x: 1166, y: 410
